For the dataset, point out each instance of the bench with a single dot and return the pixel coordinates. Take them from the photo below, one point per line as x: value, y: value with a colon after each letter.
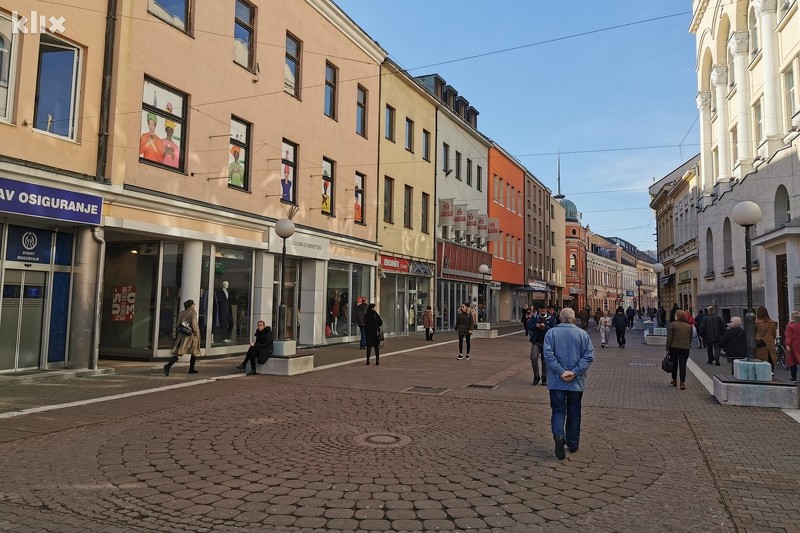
x: 730, y: 390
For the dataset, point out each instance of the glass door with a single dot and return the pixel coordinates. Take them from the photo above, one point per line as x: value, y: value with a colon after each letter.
x: 22, y: 319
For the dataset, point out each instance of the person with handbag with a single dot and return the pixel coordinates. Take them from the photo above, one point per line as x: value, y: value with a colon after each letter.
x: 679, y: 341
x: 539, y: 324
x: 766, y: 331
x: 188, y: 338
x: 260, y: 349
x: 734, y: 340
x: 427, y: 322
x: 464, y: 327
x: 373, y: 333
x: 791, y: 340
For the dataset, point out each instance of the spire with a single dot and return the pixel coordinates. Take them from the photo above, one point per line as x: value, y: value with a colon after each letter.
x: 559, y: 196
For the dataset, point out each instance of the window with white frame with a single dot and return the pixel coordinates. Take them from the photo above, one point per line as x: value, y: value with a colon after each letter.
x: 174, y: 12
x: 57, y: 87
x: 8, y: 50
x: 752, y: 29
x: 243, y: 29
x: 291, y: 72
x: 758, y: 122
x: 790, y: 95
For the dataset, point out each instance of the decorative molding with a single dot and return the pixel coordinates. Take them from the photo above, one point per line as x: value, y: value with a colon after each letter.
x: 765, y: 6
x: 703, y: 100
x: 739, y: 43
x: 719, y: 76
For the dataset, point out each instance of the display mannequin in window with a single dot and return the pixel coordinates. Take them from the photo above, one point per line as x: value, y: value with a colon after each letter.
x: 223, y: 312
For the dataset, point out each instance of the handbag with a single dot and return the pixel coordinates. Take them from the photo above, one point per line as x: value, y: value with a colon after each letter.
x: 760, y: 343
x: 666, y: 364
x: 381, y: 336
x: 184, y: 328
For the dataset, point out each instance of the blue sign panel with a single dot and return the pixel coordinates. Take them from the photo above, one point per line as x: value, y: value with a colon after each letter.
x: 29, y: 245
x: 48, y: 202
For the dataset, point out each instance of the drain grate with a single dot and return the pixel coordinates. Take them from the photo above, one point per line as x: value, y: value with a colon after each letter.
x: 641, y: 364
x: 479, y: 386
x: 425, y: 390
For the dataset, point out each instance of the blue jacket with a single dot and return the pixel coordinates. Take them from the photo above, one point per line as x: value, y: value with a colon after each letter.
x: 567, y: 347
x: 537, y: 334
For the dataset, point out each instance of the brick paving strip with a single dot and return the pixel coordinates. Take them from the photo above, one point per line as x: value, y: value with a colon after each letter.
x: 345, y: 449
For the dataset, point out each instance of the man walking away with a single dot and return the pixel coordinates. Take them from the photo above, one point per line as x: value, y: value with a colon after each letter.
x: 711, y: 329
x: 539, y: 324
x: 361, y: 310
x: 568, y: 352
x: 630, y: 313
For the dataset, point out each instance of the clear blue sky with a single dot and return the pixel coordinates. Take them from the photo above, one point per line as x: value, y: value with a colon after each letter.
x: 593, y: 97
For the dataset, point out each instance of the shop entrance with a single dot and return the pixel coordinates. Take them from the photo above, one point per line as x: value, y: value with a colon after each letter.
x: 291, y: 293
x: 22, y: 319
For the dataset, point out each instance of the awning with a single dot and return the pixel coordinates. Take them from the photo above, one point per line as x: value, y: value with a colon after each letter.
x: 528, y: 288
x: 666, y: 280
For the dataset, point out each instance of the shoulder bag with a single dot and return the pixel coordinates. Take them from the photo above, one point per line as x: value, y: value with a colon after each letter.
x: 184, y: 328
x: 666, y: 364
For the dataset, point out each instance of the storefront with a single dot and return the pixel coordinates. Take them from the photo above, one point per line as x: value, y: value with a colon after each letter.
x: 405, y: 293
x: 38, y: 236
x: 459, y: 280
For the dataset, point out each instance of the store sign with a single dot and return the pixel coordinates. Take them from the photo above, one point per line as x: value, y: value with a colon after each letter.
x: 460, y: 218
x: 28, y: 245
x: 494, y: 229
x: 629, y: 293
x: 483, y: 225
x: 394, y: 264
x: 538, y: 285
x: 123, y: 302
x: 47, y: 202
x: 472, y: 222
x: 301, y: 245
x: 446, y: 212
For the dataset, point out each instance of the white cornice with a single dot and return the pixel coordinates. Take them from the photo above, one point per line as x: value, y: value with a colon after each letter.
x: 346, y: 25
x: 699, y: 11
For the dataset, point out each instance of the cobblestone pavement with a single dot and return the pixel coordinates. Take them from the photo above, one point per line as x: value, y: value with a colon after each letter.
x: 423, y: 442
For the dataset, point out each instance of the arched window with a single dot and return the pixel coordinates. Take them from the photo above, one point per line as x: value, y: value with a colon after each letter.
x: 709, y: 253
x: 573, y: 262
x: 781, y: 206
x: 727, y: 246
x: 752, y: 28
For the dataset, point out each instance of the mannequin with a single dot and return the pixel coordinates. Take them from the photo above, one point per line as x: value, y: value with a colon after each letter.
x: 223, y: 313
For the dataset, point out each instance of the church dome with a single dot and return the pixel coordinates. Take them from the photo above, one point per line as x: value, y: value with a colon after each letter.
x: 570, y: 211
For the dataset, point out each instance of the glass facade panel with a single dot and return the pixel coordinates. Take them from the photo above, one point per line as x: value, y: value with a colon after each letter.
x: 171, y: 298
x: 337, y: 308
x: 231, y: 310
x: 360, y: 289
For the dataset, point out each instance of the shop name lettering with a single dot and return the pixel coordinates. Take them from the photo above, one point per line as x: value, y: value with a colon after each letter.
x: 53, y: 202
x: 301, y: 244
x: 391, y: 263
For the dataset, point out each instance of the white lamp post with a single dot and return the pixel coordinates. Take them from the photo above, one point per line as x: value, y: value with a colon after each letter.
x: 285, y: 229
x: 658, y: 268
x: 484, y: 269
x: 748, y: 214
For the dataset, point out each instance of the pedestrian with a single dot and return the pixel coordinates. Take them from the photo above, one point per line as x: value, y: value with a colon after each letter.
x: 583, y: 316
x: 539, y: 324
x: 662, y: 317
x: 630, y: 314
x: 186, y: 343
x: 679, y: 341
x: 261, y: 348
x: 711, y: 329
x: 524, y: 316
x: 734, y: 340
x: 361, y: 310
x: 569, y: 353
x: 620, y: 322
x: 597, y: 316
x: 697, y: 321
x: 464, y: 326
x: 427, y: 322
x: 372, y: 326
x: 672, y: 312
x: 766, y: 331
x: 474, y: 313
x: 605, y: 329
x: 791, y: 341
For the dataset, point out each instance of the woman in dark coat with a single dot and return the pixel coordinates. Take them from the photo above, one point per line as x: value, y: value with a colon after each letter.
x: 464, y: 326
x: 261, y: 347
x: 186, y: 344
x: 620, y: 322
x: 372, y: 323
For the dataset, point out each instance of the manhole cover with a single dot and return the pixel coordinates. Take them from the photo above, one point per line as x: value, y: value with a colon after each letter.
x: 382, y: 439
x: 642, y: 364
x: 425, y: 390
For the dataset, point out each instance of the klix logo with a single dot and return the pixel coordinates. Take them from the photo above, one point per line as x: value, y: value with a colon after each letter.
x: 37, y: 23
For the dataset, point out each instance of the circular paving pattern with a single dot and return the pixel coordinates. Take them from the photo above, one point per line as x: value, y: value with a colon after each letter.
x: 382, y: 440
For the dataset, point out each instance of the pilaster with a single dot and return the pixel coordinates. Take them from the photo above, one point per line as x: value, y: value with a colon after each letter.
x: 739, y: 45
x: 719, y: 79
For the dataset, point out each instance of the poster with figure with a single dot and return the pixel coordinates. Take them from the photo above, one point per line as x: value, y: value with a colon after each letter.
x: 358, y: 205
x: 161, y: 127
x: 288, y: 164
x: 327, y: 187
x: 237, y: 155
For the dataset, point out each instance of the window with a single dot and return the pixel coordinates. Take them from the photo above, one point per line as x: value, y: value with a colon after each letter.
x: 479, y: 182
x: 426, y: 145
x: 291, y: 74
x: 790, y: 96
x: 408, y: 201
x: 758, y: 123
x: 243, y: 34
x: 469, y: 172
x: 389, y: 123
x: 57, y: 87
x: 781, y: 207
x: 734, y: 146
x: 327, y: 187
x: 8, y: 44
x: 409, y: 135
x: 162, y: 138
x: 388, y: 199
x: 573, y: 262
x: 358, y: 207
x: 361, y: 111
x: 174, y: 12
x: 238, y: 162
x: 288, y: 182
x: 458, y: 165
x: 445, y: 157
x: 426, y: 201
x: 709, y: 253
x: 727, y: 247
x: 331, y: 74
x: 752, y: 27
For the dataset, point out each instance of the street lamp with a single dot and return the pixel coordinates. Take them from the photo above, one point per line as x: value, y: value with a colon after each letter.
x: 748, y: 214
x: 285, y: 229
x: 658, y: 268
x: 639, y: 298
x: 484, y: 269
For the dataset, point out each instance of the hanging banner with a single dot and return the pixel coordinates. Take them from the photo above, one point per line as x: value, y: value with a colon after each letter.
x: 494, y: 229
x: 483, y: 226
x: 446, y: 212
x: 472, y: 222
x: 460, y: 217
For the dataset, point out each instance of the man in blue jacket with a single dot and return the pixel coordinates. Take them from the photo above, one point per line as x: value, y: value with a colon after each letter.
x: 568, y: 352
x: 540, y: 322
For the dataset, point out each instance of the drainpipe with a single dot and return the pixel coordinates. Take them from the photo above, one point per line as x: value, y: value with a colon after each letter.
x: 105, y: 95
x: 101, y: 260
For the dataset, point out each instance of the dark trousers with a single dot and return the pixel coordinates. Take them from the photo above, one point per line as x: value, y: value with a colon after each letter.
x: 679, y: 356
x: 620, y: 336
x: 363, y: 342
x: 536, y: 355
x: 428, y: 334
x: 252, y: 357
x: 566, y: 417
x: 461, y: 343
x: 712, y: 349
x: 377, y: 354
x: 630, y: 322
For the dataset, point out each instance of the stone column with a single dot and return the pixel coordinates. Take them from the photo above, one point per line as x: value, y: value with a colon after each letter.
x: 264, y: 289
x: 767, y: 20
x: 191, y: 272
x: 83, y: 310
x: 704, y: 107
x: 740, y: 48
x: 719, y: 79
x: 313, y: 302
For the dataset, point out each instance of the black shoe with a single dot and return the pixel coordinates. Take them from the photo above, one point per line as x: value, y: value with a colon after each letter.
x: 242, y: 366
x: 192, y: 371
x: 544, y: 382
x: 560, y: 448
x: 252, y: 373
x: 166, y: 370
x: 573, y: 450
x: 717, y: 363
x: 536, y: 380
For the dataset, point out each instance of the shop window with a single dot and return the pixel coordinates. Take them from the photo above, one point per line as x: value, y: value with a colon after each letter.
x: 361, y: 290
x: 243, y: 29
x: 327, y: 187
x: 173, y: 12
x: 56, y: 104
x: 358, y: 205
x: 231, y: 310
x: 291, y: 76
x: 238, y: 155
x: 338, y: 300
x: 171, y: 302
x: 288, y: 182
x: 162, y: 140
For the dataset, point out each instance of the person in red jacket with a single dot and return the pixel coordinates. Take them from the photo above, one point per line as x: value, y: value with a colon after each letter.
x: 791, y: 340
